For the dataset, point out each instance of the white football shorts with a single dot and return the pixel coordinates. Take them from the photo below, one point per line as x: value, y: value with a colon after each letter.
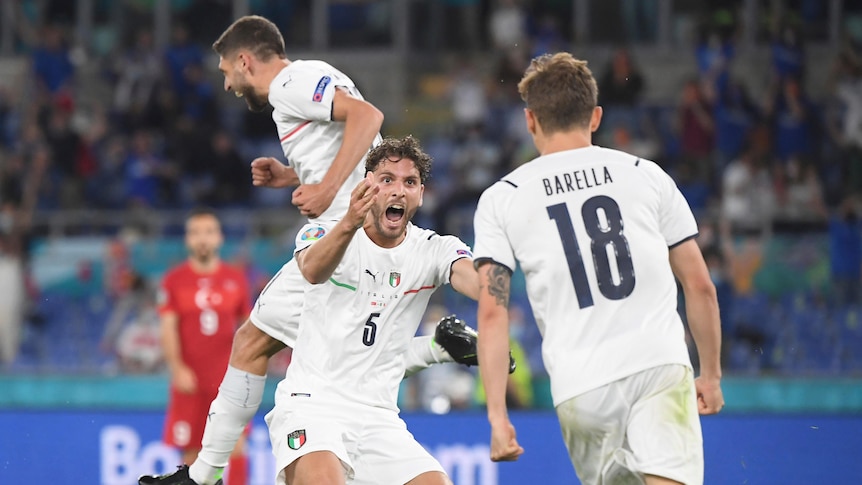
x: 373, y: 444
x: 643, y: 424
x: 279, y: 305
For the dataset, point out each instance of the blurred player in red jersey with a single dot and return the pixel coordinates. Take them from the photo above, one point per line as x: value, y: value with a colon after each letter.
x: 202, y: 301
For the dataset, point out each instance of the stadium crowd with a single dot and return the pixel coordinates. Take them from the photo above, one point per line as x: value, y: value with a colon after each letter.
x: 752, y: 167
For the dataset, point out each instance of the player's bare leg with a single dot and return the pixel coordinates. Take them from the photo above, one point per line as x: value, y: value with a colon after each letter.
x: 431, y: 478
x: 315, y: 468
x: 238, y: 399
x: 190, y: 454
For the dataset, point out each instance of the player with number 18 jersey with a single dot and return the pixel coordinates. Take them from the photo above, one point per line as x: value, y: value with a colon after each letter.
x: 606, y: 217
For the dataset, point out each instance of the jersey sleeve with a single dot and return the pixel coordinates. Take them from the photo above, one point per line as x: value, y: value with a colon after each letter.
x: 306, y: 95
x: 492, y: 243
x: 308, y: 235
x: 449, y: 249
x: 677, y: 222
x: 245, y: 293
x: 166, y: 298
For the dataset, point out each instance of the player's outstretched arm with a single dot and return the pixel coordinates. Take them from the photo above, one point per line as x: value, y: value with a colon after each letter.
x: 464, y: 278
x: 493, y: 316
x: 318, y: 261
x: 362, y: 123
x: 269, y: 172
x: 701, y: 307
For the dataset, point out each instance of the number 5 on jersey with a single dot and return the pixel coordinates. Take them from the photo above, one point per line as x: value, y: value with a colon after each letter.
x: 604, y: 235
x: 369, y: 333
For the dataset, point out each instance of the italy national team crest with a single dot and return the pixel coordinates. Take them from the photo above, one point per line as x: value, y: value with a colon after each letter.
x: 394, y: 279
x: 296, y: 439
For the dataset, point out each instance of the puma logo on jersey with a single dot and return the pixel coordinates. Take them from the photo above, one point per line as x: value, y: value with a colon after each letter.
x: 373, y: 275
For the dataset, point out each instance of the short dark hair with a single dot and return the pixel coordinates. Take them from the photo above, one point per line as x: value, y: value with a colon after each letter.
x: 394, y: 149
x: 560, y: 91
x: 201, y: 211
x: 254, y: 33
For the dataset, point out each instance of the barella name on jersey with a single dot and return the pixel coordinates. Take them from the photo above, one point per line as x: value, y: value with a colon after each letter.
x: 577, y: 180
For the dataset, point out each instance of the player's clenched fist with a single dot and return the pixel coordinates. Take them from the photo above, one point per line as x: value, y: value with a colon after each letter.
x: 710, y: 399
x: 269, y: 172
x: 504, y: 445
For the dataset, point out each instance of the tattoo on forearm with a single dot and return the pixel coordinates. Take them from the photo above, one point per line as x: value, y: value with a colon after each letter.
x: 498, y: 286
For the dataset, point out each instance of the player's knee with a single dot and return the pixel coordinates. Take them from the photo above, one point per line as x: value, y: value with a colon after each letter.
x: 316, y: 468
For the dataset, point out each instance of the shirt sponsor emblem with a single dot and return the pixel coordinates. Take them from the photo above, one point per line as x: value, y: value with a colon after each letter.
x: 313, y: 234
x: 464, y: 252
x: 394, y: 279
x: 321, y: 87
x: 296, y: 439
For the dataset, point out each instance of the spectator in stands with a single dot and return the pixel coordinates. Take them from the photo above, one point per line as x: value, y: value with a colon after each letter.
x: 845, y: 125
x: 546, y: 37
x: 52, y: 64
x: 507, y: 26
x: 714, y: 54
x: 467, y: 94
x: 198, y: 103
x: 791, y: 113
x: 845, y: 253
x: 695, y: 127
x: 735, y: 114
x: 20, y: 187
x: 132, y: 331
x: 137, y: 73
x: 747, y: 189
x: 149, y: 177
x: 229, y: 169
x: 179, y: 55
x: 621, y: 84
x: 799, y: 192
x: 788, y: 54
x: 476, y: 164
x: 107, y: 187
x: 7, y: 119
x: 12, y: 298
x: 68, y: 152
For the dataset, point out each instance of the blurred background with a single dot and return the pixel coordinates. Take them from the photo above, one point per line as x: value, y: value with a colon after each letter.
x: 113, y: 124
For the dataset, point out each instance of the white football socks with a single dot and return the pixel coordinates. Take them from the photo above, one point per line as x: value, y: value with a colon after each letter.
x: 422, y: 352
x: 238, y: 399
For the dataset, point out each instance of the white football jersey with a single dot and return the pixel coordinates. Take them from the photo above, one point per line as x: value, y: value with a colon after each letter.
x: 591, y: 229
x: 355, y: 327
x: 301, y: 96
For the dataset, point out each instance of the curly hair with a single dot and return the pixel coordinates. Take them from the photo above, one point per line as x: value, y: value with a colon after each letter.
x: 395, y: 149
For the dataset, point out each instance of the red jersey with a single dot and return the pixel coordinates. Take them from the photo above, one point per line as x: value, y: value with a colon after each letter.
x: 210, y: 307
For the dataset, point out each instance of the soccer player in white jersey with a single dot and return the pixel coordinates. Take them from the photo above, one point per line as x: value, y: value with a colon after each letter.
x: 326, y: 129
x: 600, y: 235
x: 336, y: 419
